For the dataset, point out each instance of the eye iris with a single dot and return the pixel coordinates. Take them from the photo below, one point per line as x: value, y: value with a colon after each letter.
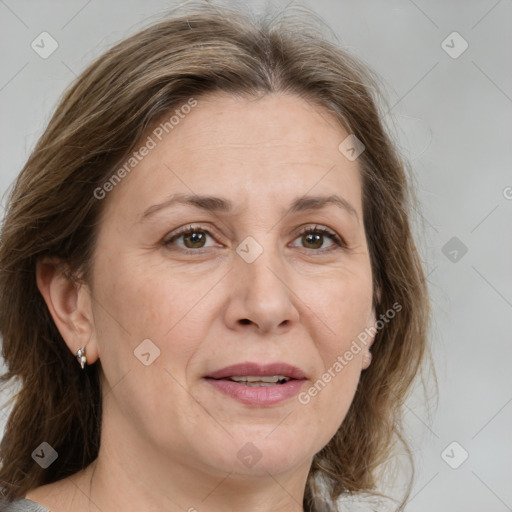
x: 314, y: 239
x: 196, y: 237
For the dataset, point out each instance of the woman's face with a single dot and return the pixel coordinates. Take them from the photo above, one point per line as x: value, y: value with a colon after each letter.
x: 246, y: 287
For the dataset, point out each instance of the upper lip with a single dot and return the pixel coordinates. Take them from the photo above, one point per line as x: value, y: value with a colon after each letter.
x: 258, y: 370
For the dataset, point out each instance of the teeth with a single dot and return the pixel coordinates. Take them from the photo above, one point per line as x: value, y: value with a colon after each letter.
x: 257, y: 384
x: 263, y: 380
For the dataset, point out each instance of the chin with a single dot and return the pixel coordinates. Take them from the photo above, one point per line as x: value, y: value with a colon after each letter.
x: 254, y: 453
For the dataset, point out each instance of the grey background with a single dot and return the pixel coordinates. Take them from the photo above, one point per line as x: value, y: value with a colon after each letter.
x: 451, y: 116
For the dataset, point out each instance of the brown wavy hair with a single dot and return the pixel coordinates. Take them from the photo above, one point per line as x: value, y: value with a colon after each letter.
x: 52, y: 211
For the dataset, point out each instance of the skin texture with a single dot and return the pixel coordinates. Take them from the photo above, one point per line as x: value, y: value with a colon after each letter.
x: 169, y: 440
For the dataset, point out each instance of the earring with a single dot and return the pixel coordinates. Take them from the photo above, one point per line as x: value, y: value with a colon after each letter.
x: 81, y: 357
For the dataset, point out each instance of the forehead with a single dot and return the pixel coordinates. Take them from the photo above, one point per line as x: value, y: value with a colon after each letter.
x: 276, y: 126
x: 272, y: 148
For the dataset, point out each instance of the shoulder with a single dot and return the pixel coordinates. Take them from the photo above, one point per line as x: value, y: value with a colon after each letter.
x: 62, y: 495
x: 22, y: 505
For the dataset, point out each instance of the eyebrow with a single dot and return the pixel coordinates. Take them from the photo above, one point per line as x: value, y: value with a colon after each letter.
x: 222, y: 205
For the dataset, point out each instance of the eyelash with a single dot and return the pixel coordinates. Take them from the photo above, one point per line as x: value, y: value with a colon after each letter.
x: 338, y: 241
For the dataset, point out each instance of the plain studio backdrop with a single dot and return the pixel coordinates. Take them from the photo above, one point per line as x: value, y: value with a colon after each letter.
x: 446, y: 69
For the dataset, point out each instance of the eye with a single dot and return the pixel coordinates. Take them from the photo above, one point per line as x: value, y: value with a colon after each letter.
x: 315, y: 237
x: 193, y: 238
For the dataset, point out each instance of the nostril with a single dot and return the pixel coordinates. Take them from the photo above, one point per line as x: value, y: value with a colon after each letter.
x: 245, y: 321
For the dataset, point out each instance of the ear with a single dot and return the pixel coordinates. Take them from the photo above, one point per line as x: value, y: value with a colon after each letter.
x: 69, y: 304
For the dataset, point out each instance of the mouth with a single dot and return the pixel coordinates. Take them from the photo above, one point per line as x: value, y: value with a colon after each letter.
x: 254, y: 381
x: 256, y: 384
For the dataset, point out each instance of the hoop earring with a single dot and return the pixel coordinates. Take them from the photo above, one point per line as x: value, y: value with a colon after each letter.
x: 81, y: 357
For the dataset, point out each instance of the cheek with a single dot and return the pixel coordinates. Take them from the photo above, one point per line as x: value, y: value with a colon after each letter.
x: 343, y: 314
x: 145, y: 301
x: 135, y: 305
x: 344, y: 309
x: 331, y: 392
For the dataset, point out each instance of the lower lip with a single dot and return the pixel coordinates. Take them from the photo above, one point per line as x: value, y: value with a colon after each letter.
x: 260, y: 395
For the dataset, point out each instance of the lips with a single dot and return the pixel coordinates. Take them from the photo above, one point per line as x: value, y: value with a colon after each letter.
x: 258, y: 370
x: 258, y: 385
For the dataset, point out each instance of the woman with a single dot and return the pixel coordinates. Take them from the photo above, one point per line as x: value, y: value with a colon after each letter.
x: 209, y: 286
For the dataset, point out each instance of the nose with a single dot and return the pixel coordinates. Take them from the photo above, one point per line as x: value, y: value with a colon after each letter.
x: 262, y: 297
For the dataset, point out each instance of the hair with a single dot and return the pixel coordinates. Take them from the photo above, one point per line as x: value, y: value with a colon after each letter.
x: 52, y: 210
